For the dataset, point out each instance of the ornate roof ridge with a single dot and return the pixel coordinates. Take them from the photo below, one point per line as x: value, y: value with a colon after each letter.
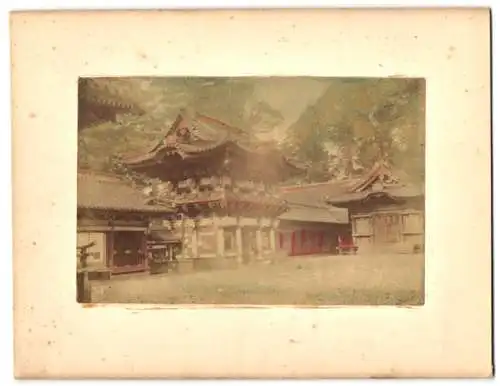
x: 99, y: 175
x: 218, y: 121
x: 291, y: 188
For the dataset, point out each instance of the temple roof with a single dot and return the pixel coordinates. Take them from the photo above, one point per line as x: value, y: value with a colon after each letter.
x: 310, y: 213
x: 316, y: 193
x: 379, y: 180
x: 98, y: 103
x: 396, y: 193
x: 93, y: 91
x: 307, y: 203
x: 192, y: 135
x: 108, y: 192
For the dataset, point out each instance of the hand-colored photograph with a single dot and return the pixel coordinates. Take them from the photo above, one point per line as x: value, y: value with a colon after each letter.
x: 298, y: 191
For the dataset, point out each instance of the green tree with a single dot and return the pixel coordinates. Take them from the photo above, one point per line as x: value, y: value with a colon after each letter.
x: 366, y: 120
x: 309, y: 146
x: 228, y: 99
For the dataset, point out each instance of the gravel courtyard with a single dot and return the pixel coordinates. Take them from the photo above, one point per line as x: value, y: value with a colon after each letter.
x: 327, y: 280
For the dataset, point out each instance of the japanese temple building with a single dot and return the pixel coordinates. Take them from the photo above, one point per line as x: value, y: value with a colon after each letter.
x: 224, y: 183
x: 116, y: 217
x: 378, y: 211
x: 311, y: 226
x: 97, y: 104
x: 386, y: 210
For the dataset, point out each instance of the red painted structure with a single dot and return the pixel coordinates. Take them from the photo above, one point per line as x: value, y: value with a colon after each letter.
x: 310, y: 227
x: 300, y: 242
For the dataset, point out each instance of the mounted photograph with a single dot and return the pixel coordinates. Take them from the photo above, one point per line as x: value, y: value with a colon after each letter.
x: 319, y: 185
x: 300, y: 191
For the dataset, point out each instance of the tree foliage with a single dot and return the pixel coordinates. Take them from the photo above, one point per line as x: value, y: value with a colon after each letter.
x: 354, y: 123
x: 160, y: 99
x: 359, y: 122
x: 309, y: 146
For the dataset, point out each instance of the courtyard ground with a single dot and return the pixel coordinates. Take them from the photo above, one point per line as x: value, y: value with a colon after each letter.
x: 327, y: 280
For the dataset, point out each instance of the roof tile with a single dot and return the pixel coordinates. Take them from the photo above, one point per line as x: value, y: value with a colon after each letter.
x: 100, y: 191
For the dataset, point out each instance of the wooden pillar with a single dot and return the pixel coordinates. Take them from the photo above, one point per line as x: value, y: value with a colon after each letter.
x: 258, y: 239
x: 110, y: 248
x: 184, y: 245
x: 272, y: 236
x: 400, y: 228
x: 144, y: 248
x: 111, y: 245
x: 219, y: 236
x: 83, y: 289
x: 195, y: 240
x: 239, y: 241
x: 373, y: 231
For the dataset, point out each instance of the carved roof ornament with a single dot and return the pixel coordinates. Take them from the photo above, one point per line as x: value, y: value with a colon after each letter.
x: 183, y: 134
x: 170, y: 140
x: 380, y: 174
x: 389, y: 179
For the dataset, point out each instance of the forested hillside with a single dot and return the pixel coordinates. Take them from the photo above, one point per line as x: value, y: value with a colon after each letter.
x: 359, y: 121
x: 354, y: 123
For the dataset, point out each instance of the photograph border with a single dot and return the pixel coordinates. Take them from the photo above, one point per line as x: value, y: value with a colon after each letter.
x: 449, y: 337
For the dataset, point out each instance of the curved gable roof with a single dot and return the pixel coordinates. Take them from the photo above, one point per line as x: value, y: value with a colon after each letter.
x: 192, y: 134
